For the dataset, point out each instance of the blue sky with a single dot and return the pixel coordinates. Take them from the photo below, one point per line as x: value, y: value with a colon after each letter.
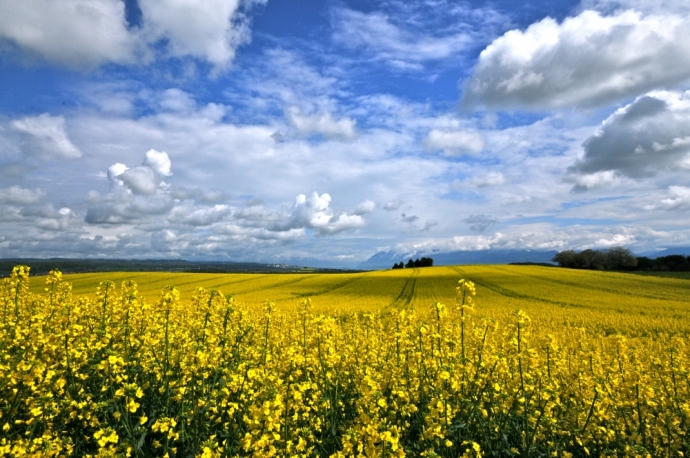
x: 273, y: 131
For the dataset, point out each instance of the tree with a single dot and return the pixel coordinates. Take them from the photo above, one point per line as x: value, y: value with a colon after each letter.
x: 590, y: 259
x: 619, y: 258
x: 426, y: 262
x: 567, y: 258
x: 616, y: 258
x: 410, y: 264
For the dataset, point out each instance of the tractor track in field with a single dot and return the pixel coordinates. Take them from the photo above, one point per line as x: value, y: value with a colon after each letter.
x: 588, y: 286
x: 275, y: 285
x: 514, y: 294
x: 407, y: 292
x: 330, y: 288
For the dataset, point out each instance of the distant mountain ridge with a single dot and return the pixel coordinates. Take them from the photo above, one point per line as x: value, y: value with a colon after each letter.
x: 386, y: 259
x: 685, y: 251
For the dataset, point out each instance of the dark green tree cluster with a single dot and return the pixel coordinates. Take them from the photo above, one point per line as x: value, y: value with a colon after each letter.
x: 671, y: 263
x: 616, y: 258
x: 423, y: 262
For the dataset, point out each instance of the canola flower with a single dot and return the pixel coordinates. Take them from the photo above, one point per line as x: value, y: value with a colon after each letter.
x: 118, y: 376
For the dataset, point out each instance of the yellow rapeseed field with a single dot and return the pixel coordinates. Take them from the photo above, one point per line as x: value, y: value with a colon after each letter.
x: 452, y: 362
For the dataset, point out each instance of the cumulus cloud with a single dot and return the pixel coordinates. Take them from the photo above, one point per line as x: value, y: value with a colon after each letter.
x: 368, y: 206
x: 240, y: 233
x: 586, y: 60
x: 145, y: 179
x: 88, y: 33
x: 16, y: 195
x: 592, y: 180
x: 140, y: 180
x: 207, y: 29
x: 454, y: 143
x: 314, y: 212
x: 45, y: 136
x: 116, y: 170
x: 480, y: 223
x: 117, y: 208
x: 678, y: 197
x: 615, y: 240
x: 647, y: 136
x: 76, y: 33
x: 158, y: 161
x: 321, y: 123
x: 200, y: 216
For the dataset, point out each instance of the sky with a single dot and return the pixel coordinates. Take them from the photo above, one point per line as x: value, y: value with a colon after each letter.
x: 275, y: 130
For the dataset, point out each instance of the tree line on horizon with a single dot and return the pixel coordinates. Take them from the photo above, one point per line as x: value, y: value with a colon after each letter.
x: 423, y: 262
x: 620, y: 258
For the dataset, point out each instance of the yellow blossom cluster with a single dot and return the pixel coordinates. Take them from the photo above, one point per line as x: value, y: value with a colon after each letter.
x: 115, y: 375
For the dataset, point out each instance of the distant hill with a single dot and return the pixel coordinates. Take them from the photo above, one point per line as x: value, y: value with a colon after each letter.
x: 43, y: 266
x: 652, y: 254
x: 386, y: 259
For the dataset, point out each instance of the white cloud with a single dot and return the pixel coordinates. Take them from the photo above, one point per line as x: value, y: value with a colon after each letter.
x: 76, y: 33
x: 45, y: 135
x: 322, y: 123
x: 258, y: 235
x: 454, y: 143
x: 177, y: 100
x: 118, y: 208
x: 200, y: 216
x: 406, y: 49
x: 145, y: 179
x: 488, y: 179
x: 616, y: 240
x: 586, y: 60
x: 158, y: 161
x: 457, y: 243
x: 592, y: 180
x: 646, y: 6
x: 314, y: 212
x: 89, y: 33
x: 678, y: 197
x: 641, y: 139
x: 140, y: 180
x: 116, y: 170
x: 16, y: 195
x: 283, y: 78
x: 368, y: 206
x: 206, y: 29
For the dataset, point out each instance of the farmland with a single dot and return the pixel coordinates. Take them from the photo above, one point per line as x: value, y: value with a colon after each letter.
x: 446, y: 361
x: 604, y: 302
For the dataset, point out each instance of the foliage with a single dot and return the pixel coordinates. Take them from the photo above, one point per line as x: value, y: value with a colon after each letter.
x: 423, y: 262
x: 616, y: 258
x: 115, y: 375
x: 670, y: 263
